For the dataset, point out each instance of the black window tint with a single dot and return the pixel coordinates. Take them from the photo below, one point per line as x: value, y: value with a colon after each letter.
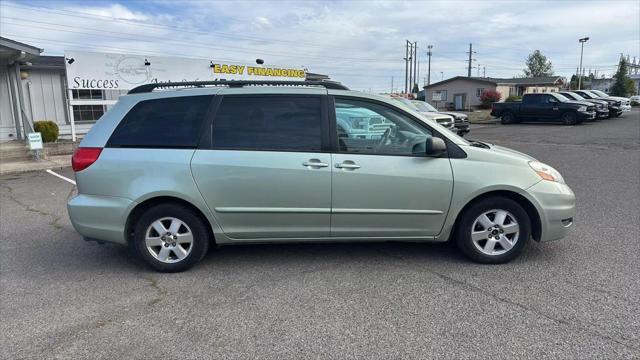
x: 290, y: 123
x: 168, y: 122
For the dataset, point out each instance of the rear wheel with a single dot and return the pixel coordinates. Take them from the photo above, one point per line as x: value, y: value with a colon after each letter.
x: 171, y: 237
x: 508, y: 118
x: 494, y: 230
x: 569, y: 118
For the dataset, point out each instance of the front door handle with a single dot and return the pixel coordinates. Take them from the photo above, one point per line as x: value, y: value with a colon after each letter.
x: 314, y: 163
x: 348, y: 165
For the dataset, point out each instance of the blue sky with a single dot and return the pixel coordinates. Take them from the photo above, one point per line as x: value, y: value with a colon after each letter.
x: 358, y: 42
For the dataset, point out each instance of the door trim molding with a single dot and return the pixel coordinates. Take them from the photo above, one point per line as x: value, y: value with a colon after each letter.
x: 386, y: 211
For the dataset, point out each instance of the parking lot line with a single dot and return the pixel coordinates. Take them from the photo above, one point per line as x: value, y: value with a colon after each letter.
x: 60, y: 176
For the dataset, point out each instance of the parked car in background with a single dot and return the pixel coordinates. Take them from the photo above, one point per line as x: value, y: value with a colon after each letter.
x: 615, y: 106
x: 635, y: 98
x: 543, y: 107
x: 602, y: 107
x: 625, y: 103
x: 273, y: 166
x: 445, y: 120
x: 461, y: 119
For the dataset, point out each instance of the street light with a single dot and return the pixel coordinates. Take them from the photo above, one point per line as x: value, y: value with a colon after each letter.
x: 582, y: 41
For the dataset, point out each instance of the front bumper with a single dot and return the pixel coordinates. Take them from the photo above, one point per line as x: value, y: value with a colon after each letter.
x: 625, y: 108
x: 602, y: 114
x: 556, y: 205
x: 583, y: 115
x: 100, y: 217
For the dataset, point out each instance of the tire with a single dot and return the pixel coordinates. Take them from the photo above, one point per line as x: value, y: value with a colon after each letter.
x: 171, y: 251
x: 569, y: 118
x: 483, y: 247
x: 507, y: 118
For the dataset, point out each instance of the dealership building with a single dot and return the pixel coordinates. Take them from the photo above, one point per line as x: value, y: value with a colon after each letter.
x: 76, y: 89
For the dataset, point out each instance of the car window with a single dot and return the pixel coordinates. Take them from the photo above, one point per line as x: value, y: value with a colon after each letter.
x: 560, y: 97
x: 166, y: 122
x: 371, y: 128
x: 599, y: 93
x: 263, y: 122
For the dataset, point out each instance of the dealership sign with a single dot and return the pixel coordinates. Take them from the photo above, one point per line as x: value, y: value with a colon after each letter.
x: 105, y: 71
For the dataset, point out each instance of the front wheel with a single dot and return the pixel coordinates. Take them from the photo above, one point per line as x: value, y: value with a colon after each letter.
x: 508, y: 118
x: 569, y: 118
x: 494, y: 230
x: 171, y: 237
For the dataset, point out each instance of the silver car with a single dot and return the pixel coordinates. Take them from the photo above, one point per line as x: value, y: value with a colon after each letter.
x: 177, y: 169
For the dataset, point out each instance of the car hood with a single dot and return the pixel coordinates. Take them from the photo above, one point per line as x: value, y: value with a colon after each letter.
x: 619, y: 98
x: 435, y: 115
x: 454, y: 114
x: 574, y: 102
x: 505, y: 151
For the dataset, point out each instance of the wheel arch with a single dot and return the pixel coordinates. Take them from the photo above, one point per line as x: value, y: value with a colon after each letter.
x: 143, y: 206
x: 527, y: 205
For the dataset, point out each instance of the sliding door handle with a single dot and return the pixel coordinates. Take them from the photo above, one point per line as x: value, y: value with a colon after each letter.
x: 348, y: 165
x: 314, y: 163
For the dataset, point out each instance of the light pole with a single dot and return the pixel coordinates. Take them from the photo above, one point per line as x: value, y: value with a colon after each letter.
x: 582, y: 41
x: 441, y: 75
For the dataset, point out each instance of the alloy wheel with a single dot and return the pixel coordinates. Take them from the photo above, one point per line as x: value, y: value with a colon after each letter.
x: 495, y: 232
x: 169, y: 240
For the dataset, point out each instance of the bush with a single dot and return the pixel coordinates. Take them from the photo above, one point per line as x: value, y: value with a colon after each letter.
x: 488, y: 97
x: 514, y: 98
x: 49, y: 130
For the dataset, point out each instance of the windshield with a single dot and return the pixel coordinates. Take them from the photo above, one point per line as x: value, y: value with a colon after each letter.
x: 406, y: 103
x: 574, y: 96
x: 586, y: 95
x: 423, y: 106
x: 561, y: 98
x: 600, y: 93
x: 593, y: 94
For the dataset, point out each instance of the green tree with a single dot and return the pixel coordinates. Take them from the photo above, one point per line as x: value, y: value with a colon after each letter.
x: 538, y: 65
x: 623, y: 86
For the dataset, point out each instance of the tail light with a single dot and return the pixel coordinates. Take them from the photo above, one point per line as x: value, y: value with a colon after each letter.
x: 83, y: 157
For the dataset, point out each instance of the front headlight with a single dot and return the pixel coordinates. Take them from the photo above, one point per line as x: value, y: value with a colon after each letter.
x: 546, y: 172
x: 582, y: 108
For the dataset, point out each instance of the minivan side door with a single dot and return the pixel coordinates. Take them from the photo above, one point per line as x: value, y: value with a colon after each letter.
x: 383, y: 185
x: 261, y: 167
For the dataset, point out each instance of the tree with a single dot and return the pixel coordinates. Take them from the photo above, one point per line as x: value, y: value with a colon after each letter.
x: 573, y: 83
x: 538, y: 65
x: 488, y: 97
x: 623, y: 86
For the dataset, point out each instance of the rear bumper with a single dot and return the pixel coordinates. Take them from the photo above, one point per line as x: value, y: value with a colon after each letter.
x: 556, y: 205
x: 101, y: 218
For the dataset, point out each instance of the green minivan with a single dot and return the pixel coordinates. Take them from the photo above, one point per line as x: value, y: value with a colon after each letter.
x: 175, y: 168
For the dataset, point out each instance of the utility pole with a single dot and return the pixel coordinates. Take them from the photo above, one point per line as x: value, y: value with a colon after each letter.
x: 429, y: 66
x: 441, y: 75
x: 391, y: 92
x: 406, y: 65
x: 484, y: 71
x: 470, y: 59
x: 415, y: 63
x: 582, y: 41
x: 478, y: 73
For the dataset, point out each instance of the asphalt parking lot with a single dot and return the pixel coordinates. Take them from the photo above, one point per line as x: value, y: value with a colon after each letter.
x: 579, y: 297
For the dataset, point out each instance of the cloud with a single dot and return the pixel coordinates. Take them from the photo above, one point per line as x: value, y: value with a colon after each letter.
x: 359, y: 43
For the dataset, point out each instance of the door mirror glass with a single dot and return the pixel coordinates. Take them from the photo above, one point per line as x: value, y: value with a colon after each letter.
x: 435, y: 146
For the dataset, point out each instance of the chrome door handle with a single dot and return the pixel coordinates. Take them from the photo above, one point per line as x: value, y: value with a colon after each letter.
x: 348, y: 166
x: 315, y: 163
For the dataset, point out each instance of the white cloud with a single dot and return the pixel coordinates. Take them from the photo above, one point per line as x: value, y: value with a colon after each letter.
x: 360, y: 43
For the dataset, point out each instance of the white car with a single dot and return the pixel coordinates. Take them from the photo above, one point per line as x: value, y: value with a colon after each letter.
x: 635, y: 98
x: 445, y: 120
x: 625, y: 102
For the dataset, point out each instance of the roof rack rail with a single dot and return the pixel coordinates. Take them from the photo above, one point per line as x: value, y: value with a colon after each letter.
x: 236, y: 83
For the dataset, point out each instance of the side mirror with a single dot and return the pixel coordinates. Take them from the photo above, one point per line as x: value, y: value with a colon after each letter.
x: 435, y: 146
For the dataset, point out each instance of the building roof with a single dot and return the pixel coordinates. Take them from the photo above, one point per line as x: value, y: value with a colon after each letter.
x: 541, y: 80
x: 11, y: 50
x: 47, y: 62
x: 439, y: 83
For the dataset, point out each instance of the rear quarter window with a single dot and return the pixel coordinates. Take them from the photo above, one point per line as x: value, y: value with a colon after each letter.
x: 162, y: 123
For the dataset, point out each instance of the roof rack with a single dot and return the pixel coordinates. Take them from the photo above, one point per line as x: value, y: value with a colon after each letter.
x: 235, y: 83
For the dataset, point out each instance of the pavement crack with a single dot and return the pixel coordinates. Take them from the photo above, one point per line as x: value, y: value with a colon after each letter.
x: 467, y: 286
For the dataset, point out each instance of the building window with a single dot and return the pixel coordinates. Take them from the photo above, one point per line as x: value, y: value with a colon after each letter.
x: 535, y: 90
x: 88, y: 113
x: 544, y: 90
x: 439, y: 95
x: 87, y: 94
x: 479, y: 92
